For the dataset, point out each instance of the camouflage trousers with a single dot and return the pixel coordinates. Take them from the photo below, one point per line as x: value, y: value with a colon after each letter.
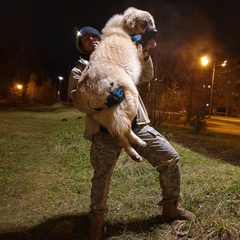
x: 158, y: 152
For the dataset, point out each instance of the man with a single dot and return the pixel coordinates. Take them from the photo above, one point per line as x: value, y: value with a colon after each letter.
x: 105, y: 150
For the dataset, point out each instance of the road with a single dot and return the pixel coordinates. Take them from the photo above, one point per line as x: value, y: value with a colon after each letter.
x: 223, y: 124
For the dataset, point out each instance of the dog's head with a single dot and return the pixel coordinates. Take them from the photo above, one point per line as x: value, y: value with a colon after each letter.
x: 137, y: 21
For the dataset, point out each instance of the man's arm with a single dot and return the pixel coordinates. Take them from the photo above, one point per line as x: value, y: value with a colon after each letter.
x: 147, y: 72
x: 75, y: 75
x: 148, y: 40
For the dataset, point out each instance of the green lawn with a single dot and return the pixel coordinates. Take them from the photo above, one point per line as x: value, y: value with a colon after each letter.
x: 45, y: 178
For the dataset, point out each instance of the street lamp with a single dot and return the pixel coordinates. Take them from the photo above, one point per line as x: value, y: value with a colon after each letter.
x: 205, y: 62
x: 223, y: 64
x: 59, y: 91
x: 20, y: 88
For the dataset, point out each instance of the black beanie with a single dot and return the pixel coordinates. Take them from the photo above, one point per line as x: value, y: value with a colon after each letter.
x: 83, y: 32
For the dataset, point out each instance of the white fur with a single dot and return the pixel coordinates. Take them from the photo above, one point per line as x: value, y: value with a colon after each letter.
x: 117, y: 62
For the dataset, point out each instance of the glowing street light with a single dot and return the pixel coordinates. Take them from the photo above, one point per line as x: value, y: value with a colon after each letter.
x: 19, y: 86
x: 204, y: 60
x: 59, y: 91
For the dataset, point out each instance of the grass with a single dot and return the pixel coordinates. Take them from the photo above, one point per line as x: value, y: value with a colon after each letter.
x: 45, y: 177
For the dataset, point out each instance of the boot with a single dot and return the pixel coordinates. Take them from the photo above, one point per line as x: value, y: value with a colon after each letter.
x: 174, y: 211
x: 97, y: 227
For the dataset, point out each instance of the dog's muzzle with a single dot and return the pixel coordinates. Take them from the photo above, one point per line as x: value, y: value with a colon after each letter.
x: 149, y: 36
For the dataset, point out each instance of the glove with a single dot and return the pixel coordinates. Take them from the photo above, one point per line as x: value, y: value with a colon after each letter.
x: 115, y: 97
x: 149, y: 37
x: 136, y: 39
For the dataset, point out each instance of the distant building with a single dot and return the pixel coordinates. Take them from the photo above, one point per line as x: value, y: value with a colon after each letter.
x: 226, y: 89
x: 223, y: 90
x: 236, y: 94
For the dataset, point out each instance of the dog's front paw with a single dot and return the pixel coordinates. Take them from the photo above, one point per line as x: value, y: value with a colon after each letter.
x: 115, y: 97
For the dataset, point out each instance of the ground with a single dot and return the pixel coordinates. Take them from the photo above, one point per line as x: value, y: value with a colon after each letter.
x: 221, y: 139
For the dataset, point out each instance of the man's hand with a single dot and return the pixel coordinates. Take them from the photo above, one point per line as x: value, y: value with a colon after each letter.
x: 115, y: 97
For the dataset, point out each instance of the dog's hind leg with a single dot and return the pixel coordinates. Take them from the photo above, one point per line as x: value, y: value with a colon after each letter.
x: 134, y: 139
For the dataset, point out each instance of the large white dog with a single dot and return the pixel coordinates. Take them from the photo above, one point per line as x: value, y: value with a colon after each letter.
x: 117, y: 62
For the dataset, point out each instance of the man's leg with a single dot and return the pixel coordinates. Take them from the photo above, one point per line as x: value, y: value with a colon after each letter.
x: 164, y: 157
x: 104, y: 154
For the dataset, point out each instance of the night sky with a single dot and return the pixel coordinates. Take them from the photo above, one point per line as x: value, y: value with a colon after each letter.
x: 53, y: 24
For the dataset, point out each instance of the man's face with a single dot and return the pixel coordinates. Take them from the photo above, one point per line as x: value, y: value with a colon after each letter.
x: 90, y: 43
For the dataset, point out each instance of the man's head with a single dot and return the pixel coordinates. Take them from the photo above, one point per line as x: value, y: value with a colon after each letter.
x: 87, y: 40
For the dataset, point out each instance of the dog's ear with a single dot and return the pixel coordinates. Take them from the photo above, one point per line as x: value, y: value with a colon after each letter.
x: 131, y: 17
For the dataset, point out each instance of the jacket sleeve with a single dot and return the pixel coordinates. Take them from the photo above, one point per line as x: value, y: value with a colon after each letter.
x: 147, y: 72
x: 74, y: 76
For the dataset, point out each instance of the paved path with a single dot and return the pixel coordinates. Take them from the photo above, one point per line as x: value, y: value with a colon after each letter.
x: 224, y: 125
